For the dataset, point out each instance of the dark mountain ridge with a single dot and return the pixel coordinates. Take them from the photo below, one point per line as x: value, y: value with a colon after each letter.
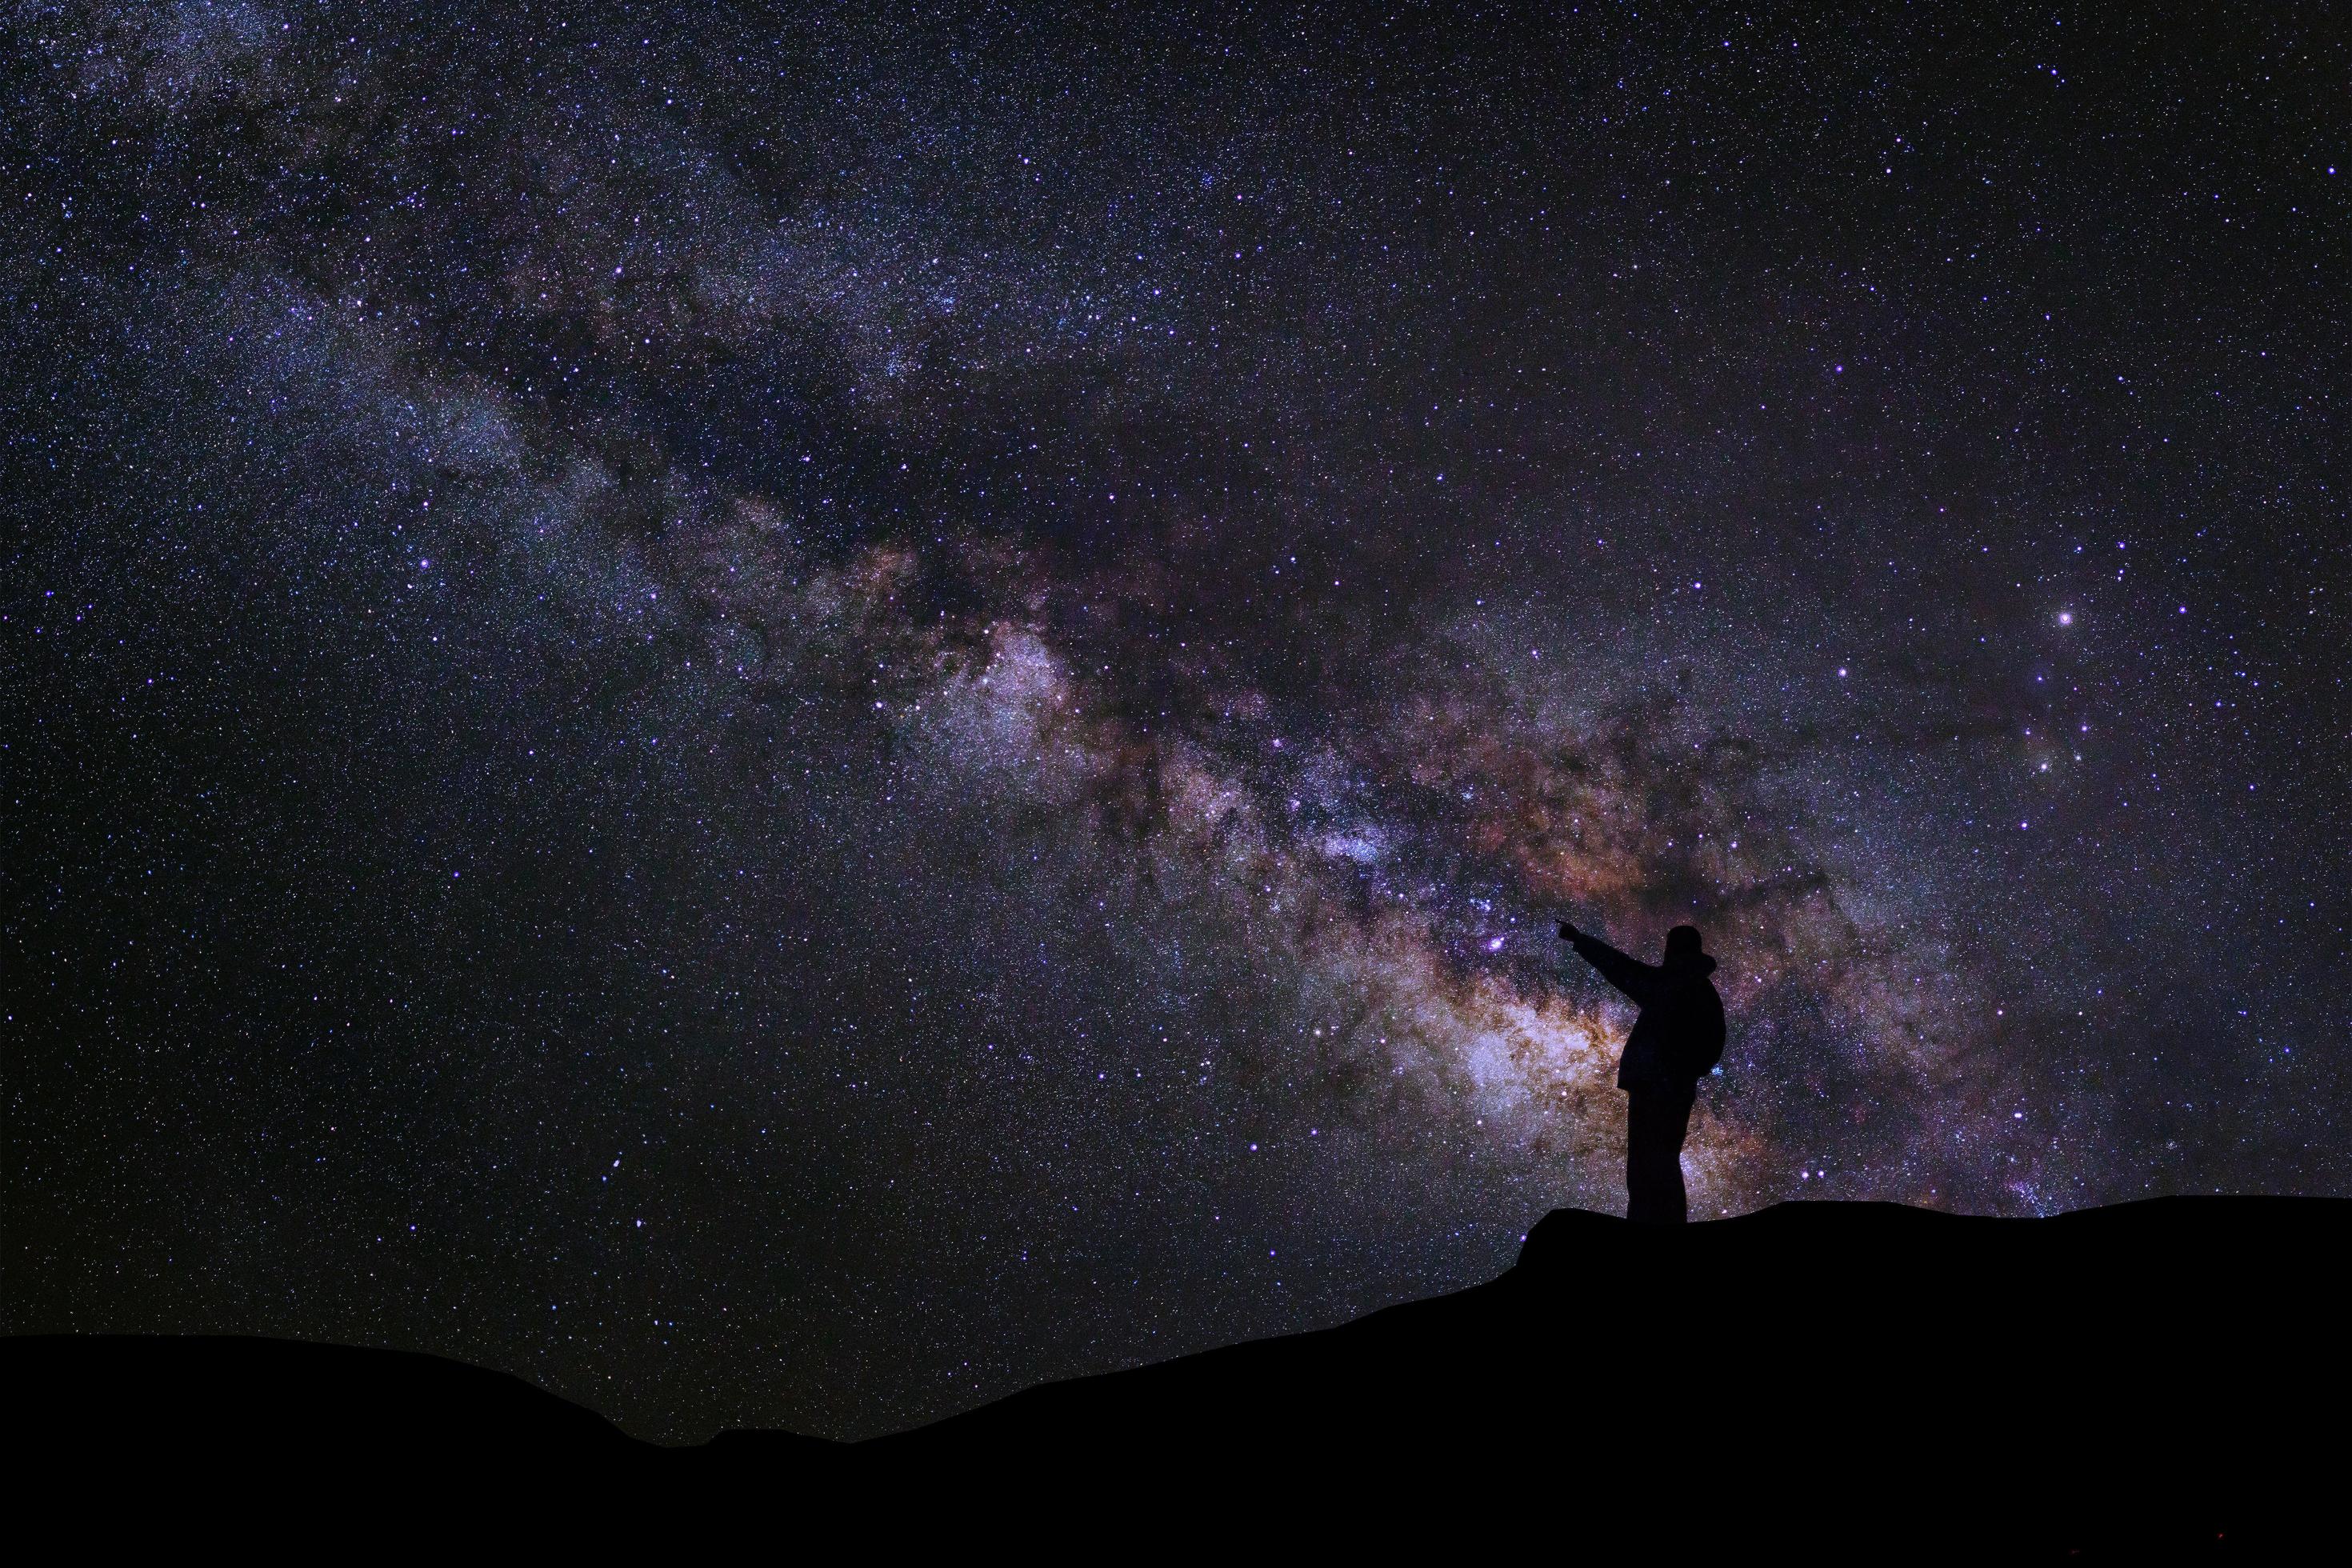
x: 2162, y: 1377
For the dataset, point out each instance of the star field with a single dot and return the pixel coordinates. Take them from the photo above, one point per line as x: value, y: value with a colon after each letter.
x: 791, y: 718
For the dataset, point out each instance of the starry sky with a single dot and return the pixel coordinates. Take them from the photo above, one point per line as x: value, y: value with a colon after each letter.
x: 793, y: 717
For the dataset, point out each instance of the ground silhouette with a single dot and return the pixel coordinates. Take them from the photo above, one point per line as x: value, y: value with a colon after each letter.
x: 2155, y: 1380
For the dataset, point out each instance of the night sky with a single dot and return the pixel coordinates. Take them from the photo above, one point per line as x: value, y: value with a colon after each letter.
x: 794, y: 719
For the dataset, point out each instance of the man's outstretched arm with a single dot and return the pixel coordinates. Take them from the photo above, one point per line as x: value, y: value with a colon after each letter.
x: 1629, y: 975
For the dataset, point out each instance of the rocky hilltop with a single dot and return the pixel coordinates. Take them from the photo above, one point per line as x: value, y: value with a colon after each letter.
x: 2161, y: 1378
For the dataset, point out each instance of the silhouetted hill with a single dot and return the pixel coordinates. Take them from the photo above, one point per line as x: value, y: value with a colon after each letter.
x: 132, y: 1398
x: 2159, y: 1378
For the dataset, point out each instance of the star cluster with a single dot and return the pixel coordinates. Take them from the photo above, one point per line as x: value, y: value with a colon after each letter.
x: 793, y: 717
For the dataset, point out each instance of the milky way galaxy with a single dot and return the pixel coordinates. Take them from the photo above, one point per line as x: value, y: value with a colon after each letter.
x: 792, y: 718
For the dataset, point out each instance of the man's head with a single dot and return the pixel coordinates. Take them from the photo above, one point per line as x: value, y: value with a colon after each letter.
x: 1682, y: 942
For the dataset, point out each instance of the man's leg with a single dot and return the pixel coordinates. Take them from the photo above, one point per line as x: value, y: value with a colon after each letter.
x: 1641, y: 1132
x: 1654, y: 1127
x: 1674, y: 1118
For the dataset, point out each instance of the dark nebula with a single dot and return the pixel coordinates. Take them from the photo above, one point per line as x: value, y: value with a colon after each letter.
x: 791, y: 719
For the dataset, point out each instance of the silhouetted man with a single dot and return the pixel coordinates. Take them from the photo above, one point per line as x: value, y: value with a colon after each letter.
x: 1676, y: 1042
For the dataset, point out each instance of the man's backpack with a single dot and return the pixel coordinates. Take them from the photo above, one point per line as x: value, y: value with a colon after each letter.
x: 1696, y: 1038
